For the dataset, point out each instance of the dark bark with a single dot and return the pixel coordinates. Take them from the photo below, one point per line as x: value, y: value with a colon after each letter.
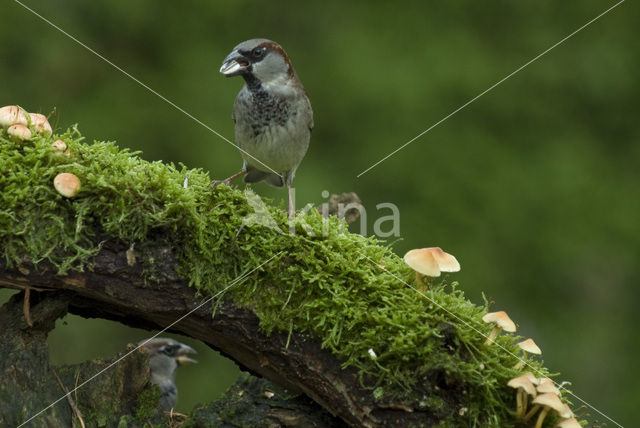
x: 29, y: 384
x: 114, y: 290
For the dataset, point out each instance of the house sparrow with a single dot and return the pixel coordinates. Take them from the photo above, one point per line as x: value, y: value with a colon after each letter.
x: 165, y: 355
x: 272, y: 114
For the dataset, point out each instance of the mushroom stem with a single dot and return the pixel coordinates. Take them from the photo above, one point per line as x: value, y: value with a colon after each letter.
x: 519, y: 407
x: 419, y: 282
x: 543, y: 414
x: 492, y: 335
x: 532, y: 412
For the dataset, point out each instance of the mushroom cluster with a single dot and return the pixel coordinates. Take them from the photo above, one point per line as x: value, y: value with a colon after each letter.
x: 429, y: 263
x: 543, y: 391
x: 545, y: 395
x: 20, y: 123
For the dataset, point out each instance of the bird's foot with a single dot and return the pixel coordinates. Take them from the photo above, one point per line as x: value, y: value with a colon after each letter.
x: 227, y: 181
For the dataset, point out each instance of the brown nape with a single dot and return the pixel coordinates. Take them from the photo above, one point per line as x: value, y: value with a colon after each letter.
x: 273, y: 46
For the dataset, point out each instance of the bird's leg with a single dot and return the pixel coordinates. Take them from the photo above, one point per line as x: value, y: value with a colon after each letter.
x: 291, y: 211
x: 227, y: 181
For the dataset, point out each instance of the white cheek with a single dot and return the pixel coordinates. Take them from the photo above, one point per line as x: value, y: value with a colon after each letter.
x: 279, y: 83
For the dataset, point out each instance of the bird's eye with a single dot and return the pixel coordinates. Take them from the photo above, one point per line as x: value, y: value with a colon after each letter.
x: 258, y: 52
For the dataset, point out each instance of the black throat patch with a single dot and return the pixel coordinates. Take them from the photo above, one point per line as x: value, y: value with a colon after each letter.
x: 267, y: 109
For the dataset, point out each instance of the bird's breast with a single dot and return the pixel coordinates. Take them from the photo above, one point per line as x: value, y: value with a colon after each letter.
x: 272, y: 129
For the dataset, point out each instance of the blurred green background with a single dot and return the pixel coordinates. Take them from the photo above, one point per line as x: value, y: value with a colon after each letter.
x: 534, y: 187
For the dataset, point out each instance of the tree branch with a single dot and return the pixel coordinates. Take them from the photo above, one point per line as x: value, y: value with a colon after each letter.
x: 116, y: 291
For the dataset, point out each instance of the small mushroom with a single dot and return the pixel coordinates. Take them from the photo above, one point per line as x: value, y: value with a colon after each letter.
x: 527, y: 346
x: 423, y: 262
x: 446, y: 262
x: 40, y: 123
x: 569, y: 423
x: 566, y: 412
x: 19, y: 132
x: 546, y: 385
x: 11, y: 115
x: 524, y: 387
x: 534, y: 380
x: 430, y: 262
x: 67, y: 184
x: 500, y: 321
x: 59, y: 145
x: 548, y: 401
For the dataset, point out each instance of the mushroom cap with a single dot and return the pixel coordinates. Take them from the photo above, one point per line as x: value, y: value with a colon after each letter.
x: 524, y: 383
x: 566, y: 411
x: 530, y: 346
x: 501, y: 319
x: 547, y: 385
x: 67, y: 184
x: 534, y: 380
x: 10, y: 115
x: 40, y: 122
x: 569, y: 423
x: 59, y: 145
x: 446, y: 262
x: 19, y: 131
x: 550, y: 400
x: 422, y: 261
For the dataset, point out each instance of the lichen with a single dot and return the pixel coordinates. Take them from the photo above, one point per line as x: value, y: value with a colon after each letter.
x: 347, y: 290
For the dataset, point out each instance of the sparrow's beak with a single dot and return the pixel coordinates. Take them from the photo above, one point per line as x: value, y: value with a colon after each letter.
x: 234, y: 64
x: 183, y: 360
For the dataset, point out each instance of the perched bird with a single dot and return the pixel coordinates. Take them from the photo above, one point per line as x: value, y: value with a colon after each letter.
x: 165, y: 355
x: 272, y: 114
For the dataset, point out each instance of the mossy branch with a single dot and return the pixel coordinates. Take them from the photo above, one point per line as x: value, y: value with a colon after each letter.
x: 144, y: 243
x: 116, y: 291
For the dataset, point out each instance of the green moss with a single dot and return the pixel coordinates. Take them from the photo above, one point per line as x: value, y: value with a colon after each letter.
x: 329, y: 285
x: 147, y: 403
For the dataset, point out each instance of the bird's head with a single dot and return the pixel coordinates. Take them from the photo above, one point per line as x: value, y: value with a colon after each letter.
x: 260, y: 59
x: 162, y: 351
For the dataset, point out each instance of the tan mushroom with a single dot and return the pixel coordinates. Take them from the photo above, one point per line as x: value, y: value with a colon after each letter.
x: 59, y: 145
x: 501, y: 321
x: 67, y: 184
x: 19, y: 132
x: 566, y: 412
x: 446, y: 262
x: 534, y: 380
x: 546, y: 385
x: 548, y: 401
x: 430, y: 262
x: 40, y: 123
x: 423, y: 262
x: 524, y: 387
x: 11, y: 115
x: 528, y: 346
